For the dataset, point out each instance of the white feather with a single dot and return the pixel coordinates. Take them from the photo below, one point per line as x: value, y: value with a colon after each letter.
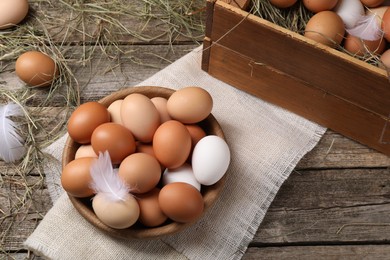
x: 367, y: 28
x: 11, y: 143
x: 105, y: 179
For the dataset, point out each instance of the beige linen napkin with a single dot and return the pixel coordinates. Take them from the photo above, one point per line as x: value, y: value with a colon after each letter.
x: 266, y: 143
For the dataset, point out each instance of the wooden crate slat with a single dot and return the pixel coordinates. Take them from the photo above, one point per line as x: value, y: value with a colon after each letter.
x: 283, y: 90
x: 320, y: 67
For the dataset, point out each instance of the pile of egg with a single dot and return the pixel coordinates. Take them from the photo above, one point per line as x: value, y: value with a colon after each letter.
x: 361, y: 27
x: 158, y: 150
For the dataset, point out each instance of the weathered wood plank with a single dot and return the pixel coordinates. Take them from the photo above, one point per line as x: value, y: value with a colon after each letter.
x: 319, y: 252
x: 329, y: 206
x: 102, y: 74
x: 311, y: 207
x: 337, y: 151
x: 119, y: 21
x: 24, y: 201
x: 290, y: 252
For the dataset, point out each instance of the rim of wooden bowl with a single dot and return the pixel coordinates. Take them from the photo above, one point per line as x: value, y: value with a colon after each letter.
x: 83, y: 205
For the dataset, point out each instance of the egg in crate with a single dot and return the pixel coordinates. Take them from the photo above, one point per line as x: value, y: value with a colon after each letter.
x: 325, y: 27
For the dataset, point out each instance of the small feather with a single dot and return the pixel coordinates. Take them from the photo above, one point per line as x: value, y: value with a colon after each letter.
x: 367, y: 28
x: 11, y: 143
x: 106, y: 180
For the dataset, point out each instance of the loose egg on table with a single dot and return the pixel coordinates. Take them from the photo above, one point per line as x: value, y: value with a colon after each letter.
x: 36, y: 69
x: 150, y: 144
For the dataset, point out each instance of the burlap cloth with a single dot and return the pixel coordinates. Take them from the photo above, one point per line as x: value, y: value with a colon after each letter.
x: 266, y: 143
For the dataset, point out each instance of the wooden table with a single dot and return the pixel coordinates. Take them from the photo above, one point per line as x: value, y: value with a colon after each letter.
x: 335, y: 204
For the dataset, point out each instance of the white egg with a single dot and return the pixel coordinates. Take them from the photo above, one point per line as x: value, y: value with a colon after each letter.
x: 210, y: 159
x: 350, y: 12
x: 183, y: 173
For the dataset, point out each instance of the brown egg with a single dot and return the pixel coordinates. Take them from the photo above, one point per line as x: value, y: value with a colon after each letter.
x: 151, y: 214
x: 359, y: 47
x: 172, y: 144
x: 76, y: 178
x: 386, y: 24
x: 181, y: 202
x: 144, y: 148
x: 85, y: 119
x: 140, y: 171
x: 161, y: 105
x: 140, y: 116
x: 12, y: 12
x: 319, y: 5
x: 283, y: 3
x: 196, y: 133
x: 190, y: 105
x: 147, y: 148
x: 116, y: 214
x: 115, y: 111
x: 36, y: 69
x: 372, y: 3
x: 85, y: 150
x: 325, y: 27
x: 385, y: 59
x: 114, y: 138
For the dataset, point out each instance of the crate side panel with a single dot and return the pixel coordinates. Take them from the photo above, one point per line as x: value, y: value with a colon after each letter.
x: 290, y: 93
x: 345, y: 78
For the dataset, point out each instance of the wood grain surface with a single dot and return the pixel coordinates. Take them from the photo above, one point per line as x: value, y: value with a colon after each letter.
x: 335, y: 204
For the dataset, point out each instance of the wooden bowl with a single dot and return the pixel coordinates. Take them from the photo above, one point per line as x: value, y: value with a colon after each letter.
x: 84, y: 205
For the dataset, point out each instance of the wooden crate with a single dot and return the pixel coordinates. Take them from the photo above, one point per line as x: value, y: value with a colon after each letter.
x: 319, y: 83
